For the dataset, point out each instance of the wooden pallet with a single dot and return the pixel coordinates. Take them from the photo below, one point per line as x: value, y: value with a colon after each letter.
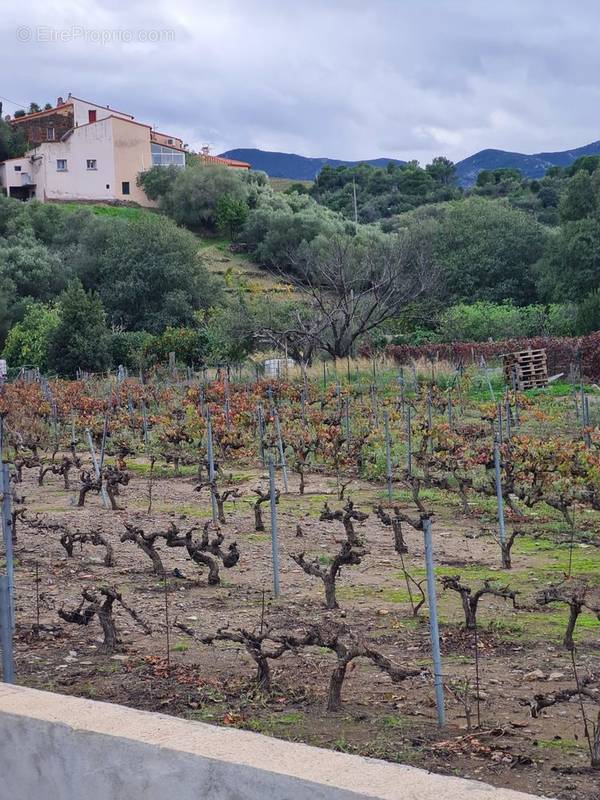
x: 527, y: 368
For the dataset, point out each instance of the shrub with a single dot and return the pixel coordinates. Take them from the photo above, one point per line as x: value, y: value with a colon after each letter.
x: 188, y: 344
x: 131, y: 349
x: 193, y: 197
x: 28, y: 342
x: 588, y: 313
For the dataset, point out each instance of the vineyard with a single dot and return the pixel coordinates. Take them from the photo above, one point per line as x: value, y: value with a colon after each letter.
x: 402, y: 563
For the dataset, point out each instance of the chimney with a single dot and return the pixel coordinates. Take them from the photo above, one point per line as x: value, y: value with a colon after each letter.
x: 60, y: 101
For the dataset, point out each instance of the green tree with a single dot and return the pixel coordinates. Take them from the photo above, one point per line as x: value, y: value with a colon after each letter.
x: 35, y: 271
x: 579, y: 200
x: 588, y: 163
x: 148, y: 272
x: 231, y: 214
x: 188, y: 344
x: 28, y: 341
x: 132, y: 349
x: 193, y: 197
x: 158, y: 181
x: 12, y: 142
x: 588, y: 314
x: 81, y: 339
x: 570, y: 269
x: 442, y: 170
x: 487, y: 250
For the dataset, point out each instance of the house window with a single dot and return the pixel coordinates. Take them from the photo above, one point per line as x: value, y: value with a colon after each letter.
x: 169, y: 141
x: 61, y: 164
x: 17, y: 169
x: 163, y: 156
x: 50, y: 135
x: 92, y: 115
x: 91, y: 163
x: 108, y: 185
x: 125, y: 187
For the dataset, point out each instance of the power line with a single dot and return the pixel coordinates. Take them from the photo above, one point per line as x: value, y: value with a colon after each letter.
x: 12, y: 102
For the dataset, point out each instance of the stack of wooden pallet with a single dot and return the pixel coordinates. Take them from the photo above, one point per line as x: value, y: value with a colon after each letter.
x: 529, y: 368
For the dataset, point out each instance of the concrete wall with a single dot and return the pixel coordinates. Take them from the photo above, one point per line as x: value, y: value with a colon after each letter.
x: 54, y: 747
x: 82, y: 107
x: 131, y: 156
x: 9, y: 177
x: 77, y: 182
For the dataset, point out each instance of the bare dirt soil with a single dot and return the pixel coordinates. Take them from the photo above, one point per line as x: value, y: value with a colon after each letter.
x: 170, y: 672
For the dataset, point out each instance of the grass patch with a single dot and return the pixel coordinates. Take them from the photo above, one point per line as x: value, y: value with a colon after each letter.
x: 116, y: 212
x: 394, y: 722
x: 161, y: 470
x: 566, y: 745
x: 258, y: 538
x: 288, y: 718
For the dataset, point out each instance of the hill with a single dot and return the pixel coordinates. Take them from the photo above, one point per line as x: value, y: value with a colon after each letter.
x: 295, y: 167
x: 532, y: 166
x: 302, y: 168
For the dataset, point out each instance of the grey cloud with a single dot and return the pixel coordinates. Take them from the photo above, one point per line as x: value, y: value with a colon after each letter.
x: 403, y: 78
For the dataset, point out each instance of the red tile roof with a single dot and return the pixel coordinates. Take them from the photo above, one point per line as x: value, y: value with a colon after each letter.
x: 225, y: 162
x: 40, y: 113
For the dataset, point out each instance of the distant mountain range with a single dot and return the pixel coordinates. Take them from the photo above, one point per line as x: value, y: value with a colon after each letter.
x: 532, y: 166
x: 290, y: 165
x: 295, y: 167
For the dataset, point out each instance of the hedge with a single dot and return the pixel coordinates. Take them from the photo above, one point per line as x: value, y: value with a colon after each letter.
x: 562, y: 352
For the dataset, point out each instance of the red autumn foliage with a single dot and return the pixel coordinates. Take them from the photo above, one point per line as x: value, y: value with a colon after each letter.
x: 561, y: 352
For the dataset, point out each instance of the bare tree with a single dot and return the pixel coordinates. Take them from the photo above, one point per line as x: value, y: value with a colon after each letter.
x: 66, y: 465
x: 351, y: 285
x: 583, y: 690
x: 221, y: 497
x: 263, y: 497
x: 396, y: 524
x: 113, y: 478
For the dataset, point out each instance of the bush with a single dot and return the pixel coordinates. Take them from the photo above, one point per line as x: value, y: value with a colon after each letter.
x: 193, y: 197
x: 28, y: 342
x: 281, y: 224
x: 562, y: 352
x: 481, y: 321
x: 588, y: 314
x: 131, y: 349
x: 147, y: 271
x: 157, y: 181
x: 231, y: 215
x: 487, y: 251
x: 188, y: 344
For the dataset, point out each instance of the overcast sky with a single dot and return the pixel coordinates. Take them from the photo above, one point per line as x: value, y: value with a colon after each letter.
x: 337, y: 78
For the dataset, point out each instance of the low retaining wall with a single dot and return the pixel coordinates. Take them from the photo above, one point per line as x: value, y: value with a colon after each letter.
x: 54, y: 747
